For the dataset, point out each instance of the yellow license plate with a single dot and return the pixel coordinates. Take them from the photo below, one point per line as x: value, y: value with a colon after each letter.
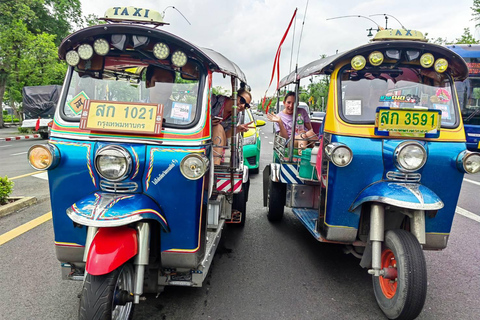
x: 408, y: 122
x: 125, y: 117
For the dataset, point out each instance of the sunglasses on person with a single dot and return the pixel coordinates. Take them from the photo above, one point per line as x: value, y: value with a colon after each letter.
x: 243, y: 101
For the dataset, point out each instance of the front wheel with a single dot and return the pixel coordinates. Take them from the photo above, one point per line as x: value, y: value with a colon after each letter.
x: 403, y: 296
x: 108, y: 296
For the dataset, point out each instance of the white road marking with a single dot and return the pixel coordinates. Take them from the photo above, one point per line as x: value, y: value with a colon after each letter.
x: 270, y: 142
x: 471, y: 181
x: 467, y: 214
x: 41, y: 175
x: 8, y: 145
x: 20, y: 153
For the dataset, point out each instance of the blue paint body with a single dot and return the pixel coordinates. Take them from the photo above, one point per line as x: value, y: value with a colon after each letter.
x: 372, y: 159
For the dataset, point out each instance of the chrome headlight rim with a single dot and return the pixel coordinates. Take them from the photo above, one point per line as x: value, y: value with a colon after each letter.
x: 465, y: 157
x: 124, y: 153
x: 202, y: 158
x: 401, y: 147
x: 330, y: 150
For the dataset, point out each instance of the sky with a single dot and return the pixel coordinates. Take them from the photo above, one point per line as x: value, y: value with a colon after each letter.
x: 249, y: 32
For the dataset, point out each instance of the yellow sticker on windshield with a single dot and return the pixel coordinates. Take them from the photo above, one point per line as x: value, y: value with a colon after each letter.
x: 77, y: 103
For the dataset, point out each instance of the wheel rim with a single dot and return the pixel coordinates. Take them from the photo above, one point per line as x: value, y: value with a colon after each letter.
x: 388, y: 286
x: 124, y: 282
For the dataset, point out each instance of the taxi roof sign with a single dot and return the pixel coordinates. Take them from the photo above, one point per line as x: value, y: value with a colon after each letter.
x: 399, y: 34
x: 134, y: 14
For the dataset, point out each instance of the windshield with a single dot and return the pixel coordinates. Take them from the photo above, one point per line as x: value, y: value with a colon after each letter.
x: 469, y: 98
x: 403, y: 87
x: 131, y: 81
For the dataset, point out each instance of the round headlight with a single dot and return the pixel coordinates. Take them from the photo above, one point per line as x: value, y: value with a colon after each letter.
x: 471, y: 163
x: 40, y: 157
x: 179, y: 59
x: 441, y: 65
x: 101, y: 47
x: 194, y: 166
x: 339, y: 154
x: 161, y: 51
x: 358, y: 62
x: 85, y: 51
x: 72, y: 58
x: 375, y: 58
x: 426, y: 60
x: 113, y: 163
x: 410, y: 156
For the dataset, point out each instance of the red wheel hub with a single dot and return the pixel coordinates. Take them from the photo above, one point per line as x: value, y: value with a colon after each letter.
x: 388, y: 284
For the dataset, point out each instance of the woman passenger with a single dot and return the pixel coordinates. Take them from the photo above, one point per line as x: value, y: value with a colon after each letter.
x: 222, y: 109
x: 283, y: 122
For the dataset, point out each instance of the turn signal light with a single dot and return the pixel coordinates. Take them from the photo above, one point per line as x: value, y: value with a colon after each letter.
x: 43, y: 157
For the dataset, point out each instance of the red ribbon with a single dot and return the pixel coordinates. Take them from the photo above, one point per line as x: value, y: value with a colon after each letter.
x: 276, y: 62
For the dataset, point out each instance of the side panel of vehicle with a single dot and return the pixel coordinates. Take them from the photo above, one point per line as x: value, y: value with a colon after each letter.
x: 72, y: 179
x: 183, y: 202
x: 344, y: 183
x: 473, y: 137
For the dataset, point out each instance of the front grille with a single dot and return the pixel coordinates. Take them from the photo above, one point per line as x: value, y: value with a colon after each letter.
x: 403, y: 177
x: 119, y: 187
x: 252, y: 160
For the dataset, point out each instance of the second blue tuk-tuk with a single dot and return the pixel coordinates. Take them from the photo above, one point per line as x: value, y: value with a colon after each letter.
x: 384, y: 174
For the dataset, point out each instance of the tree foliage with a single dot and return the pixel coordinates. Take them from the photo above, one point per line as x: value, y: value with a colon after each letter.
x: 30, y: 31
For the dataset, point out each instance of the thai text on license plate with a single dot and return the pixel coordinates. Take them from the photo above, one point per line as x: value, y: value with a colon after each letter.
x: 408, y: 122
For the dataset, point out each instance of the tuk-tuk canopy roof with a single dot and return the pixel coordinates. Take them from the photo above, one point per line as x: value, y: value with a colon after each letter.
x: 457, y: 66
x: 214, y: 60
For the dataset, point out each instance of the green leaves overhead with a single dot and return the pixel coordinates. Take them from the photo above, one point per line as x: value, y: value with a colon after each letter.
x: 30, y: 31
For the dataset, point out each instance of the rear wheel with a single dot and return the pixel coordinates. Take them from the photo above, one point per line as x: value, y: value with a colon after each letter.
x: 106, y: 296
x: 239, y: 205
x: 401, y: 295
x: 276, y: 200
x: 44, y: 135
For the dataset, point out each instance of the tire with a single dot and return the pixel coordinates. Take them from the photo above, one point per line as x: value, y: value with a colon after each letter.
x: 404, y: 298
x: 254, y: 171
x: 98, y: 295
x: 44, y: 135
x: 240, y: 203
x: 277, y: 192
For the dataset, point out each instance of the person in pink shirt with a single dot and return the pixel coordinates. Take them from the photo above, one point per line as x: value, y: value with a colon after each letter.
x: 284, y: 122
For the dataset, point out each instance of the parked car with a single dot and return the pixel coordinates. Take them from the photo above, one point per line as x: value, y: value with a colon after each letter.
x: 252, y: 143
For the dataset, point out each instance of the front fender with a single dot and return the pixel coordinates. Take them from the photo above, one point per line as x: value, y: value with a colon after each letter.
x: 111, y: 248
x: 403, y: 195
x: 101, y: 209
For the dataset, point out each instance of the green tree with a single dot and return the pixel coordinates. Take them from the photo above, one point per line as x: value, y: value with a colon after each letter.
x: 30, y: 31
x: 466, y: 38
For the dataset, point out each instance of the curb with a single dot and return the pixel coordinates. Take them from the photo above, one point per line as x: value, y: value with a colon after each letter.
x: 20, y: 137
x: 21, y: 202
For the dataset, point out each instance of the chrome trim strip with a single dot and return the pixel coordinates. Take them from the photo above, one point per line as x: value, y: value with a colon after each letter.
x: 118, y: 187
x: 403, y: 204
x: 403, y: 176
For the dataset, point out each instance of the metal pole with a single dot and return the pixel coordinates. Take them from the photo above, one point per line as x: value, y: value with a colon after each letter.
x: 294, y: 120
x: 234, y: 133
